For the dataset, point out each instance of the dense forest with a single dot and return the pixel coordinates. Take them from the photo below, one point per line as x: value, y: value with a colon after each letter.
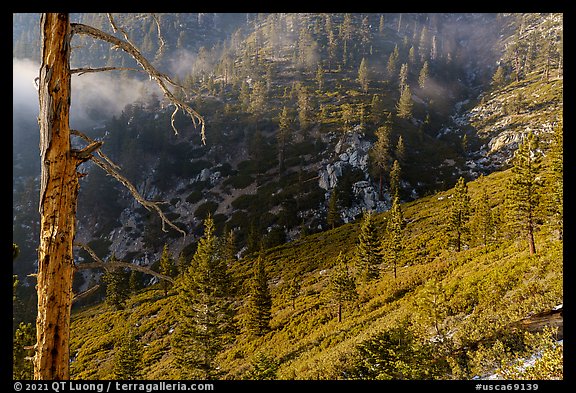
x: 379, y: 196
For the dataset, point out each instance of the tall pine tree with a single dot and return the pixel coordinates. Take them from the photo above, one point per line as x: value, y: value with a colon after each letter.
x: 459, y: 213
x: 205, y: 320
x: 525, y: 189
x: 368, y: 249
x: 393, y: 246
x: 117, y: 286
x: 259, y: 302
x: 167, y: 267
x: 342, y: 285
x: 128, y: 357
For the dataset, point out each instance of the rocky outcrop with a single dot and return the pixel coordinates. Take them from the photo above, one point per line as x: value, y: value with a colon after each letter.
x: 351, y: 151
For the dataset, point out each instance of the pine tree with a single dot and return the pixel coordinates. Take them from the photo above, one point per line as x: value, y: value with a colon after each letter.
x: 556, y: 181
x: 395, y: 174
x: 498, y: 78
x: 117, y: 286
x: 342, y: 286
x: 403, y: 77
x: 380, y: 154
x: 283, y: 136
x: 525, y: 189
x: 393, y: 246
x: 263, y: 367
x: 333, y: 215
x: 368, y: 249
x: 363, y: 77
x: 167, y: 267
x: 259, y: 303
x: 376, y: 109
x: 320, y: 77
x: 404, y: 107
x: 400, y: 150
x: 393, y: 62
x: 24, y: 336
x: 128, y: 357
x: 304, y: 107
x: 294, y: 290
x: 205, y: 306
x: 459, y: 212
x: 423, y: 76
x: 483, y: 220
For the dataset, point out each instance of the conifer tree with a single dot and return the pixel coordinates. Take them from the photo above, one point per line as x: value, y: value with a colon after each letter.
x: 404, y: 107
x: 167, y: 267
x: 395, y: 174
x: 403, y: 77
x: 363, y: 75
x: 498, y: 78
x: 368, y: 249
x: 259, y: 303
x: 117, y: 286
x: 320, y: 77
x: 393, y: 246
x: 556, y: 181
x: 393, y: 62
x: 229, y: 247
x: 294, y: 290
x: 205, y: 320
x: 459, y: 213
x: 376, y: 109
x: 483, y: 220
x: 283, y: 136
x: 342, y: 285
x: 423, y: 76
x: 264, y: 367
x: 525, y: 188
x: 380, y: 154
x: 400, y: 150
x: 304, y: 107
x: 128, y: 357
x: 333, y: 215
x: 24, y: 336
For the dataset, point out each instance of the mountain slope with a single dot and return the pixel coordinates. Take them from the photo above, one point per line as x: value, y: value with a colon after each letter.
x: 450, y: 301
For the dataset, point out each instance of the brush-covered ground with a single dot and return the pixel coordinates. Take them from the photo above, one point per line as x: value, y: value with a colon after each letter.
x: 447, y: 314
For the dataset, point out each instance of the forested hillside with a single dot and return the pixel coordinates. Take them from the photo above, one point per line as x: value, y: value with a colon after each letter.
x: 380, y: 196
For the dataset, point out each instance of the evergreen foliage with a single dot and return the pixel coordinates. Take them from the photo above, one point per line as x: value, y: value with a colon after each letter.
x: 24, y: 336
x: 259, y: 303
x: 405, y: 104
x: 128, y: 357
x: 459, y: 214
x: 117, y: 286
x: 167, y: 267
x: 264, y: 367
x: 333, y: 214
x: 367, y: 257
x: 205, y: 310
x: 525, y: 189
x: 342, y: 285
x: 393, y: 245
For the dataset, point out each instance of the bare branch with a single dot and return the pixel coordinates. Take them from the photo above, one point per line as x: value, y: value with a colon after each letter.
x: 161, y: 79
x: 147, y: 204
x: 85, y: 70
x: 99, y: 152
x: 85, y: 293
x: 100, y: 264
x: 162, y: 42
x: 112, y: 169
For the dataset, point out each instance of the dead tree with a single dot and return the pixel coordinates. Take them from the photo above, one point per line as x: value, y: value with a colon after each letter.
x: 59, y: 184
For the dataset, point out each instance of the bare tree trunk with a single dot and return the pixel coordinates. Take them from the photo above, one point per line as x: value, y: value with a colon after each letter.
x: 58, y: 197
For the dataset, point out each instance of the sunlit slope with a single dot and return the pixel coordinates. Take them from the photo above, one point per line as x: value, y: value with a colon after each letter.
x: 449, y: 302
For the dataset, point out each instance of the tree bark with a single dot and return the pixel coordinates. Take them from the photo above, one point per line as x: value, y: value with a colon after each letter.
x: 58, y: 198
